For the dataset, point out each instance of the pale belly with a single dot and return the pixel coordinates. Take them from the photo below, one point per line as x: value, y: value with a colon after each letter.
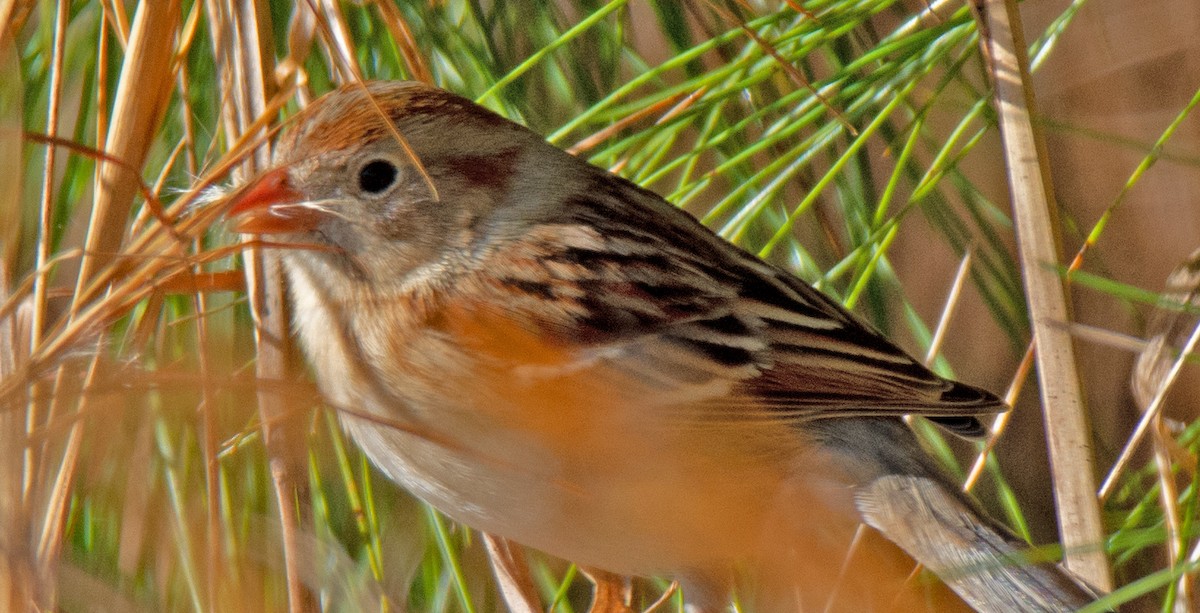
x: 621, y: 501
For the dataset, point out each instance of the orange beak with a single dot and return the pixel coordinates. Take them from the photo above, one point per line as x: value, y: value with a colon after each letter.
x: 271, y: 205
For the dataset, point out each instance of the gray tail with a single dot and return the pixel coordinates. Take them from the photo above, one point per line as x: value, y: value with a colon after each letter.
x: 912, y: 503
x: 982, y: 562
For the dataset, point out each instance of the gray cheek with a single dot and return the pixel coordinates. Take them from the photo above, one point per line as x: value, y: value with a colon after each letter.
x: 342, y: 236
x: 411, y: 216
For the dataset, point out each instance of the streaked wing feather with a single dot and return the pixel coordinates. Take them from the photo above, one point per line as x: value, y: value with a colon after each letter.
x: 663, y: 299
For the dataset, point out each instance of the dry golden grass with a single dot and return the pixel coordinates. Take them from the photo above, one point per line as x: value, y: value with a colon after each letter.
x: 161, y: 447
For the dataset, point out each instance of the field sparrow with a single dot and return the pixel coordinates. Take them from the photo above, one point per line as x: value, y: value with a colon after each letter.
x: 549, y: 353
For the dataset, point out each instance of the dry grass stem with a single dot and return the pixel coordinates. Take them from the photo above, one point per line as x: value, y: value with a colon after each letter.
x: 17, y: 585
x: 512, y: 575
x: 584, y: 145
x: 8, y: 9
x: 145, y: 84
x: 1158, y: 365
x: 1067, y: 430
x: 331, y: 23
x: 952, y: 298
x: 1106, y: 337
x: 249, y: 65
x: 45, y: 212
x: 1001, y: 421
x: 1151, y: 413
x: 402, y: 36
x: 663, y: 598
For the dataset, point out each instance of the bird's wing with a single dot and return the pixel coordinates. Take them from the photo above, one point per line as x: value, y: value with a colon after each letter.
x: 825, y: 360
x: 734, y: 334
x: 628, y: 281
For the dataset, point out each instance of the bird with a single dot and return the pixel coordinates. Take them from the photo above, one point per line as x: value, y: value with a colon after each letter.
x: 549, y: 353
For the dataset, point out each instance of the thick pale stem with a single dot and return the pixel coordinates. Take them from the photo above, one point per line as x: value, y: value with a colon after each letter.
x: 1067, y: 431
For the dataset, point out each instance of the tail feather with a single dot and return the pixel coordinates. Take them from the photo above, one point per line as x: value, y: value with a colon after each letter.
x: 987, y: 567
x: 902, y: 494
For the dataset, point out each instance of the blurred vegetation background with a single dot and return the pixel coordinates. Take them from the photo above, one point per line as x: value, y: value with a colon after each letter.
x: 157, y: 452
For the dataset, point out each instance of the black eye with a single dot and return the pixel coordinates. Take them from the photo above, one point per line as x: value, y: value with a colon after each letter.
x: 376, y: 176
